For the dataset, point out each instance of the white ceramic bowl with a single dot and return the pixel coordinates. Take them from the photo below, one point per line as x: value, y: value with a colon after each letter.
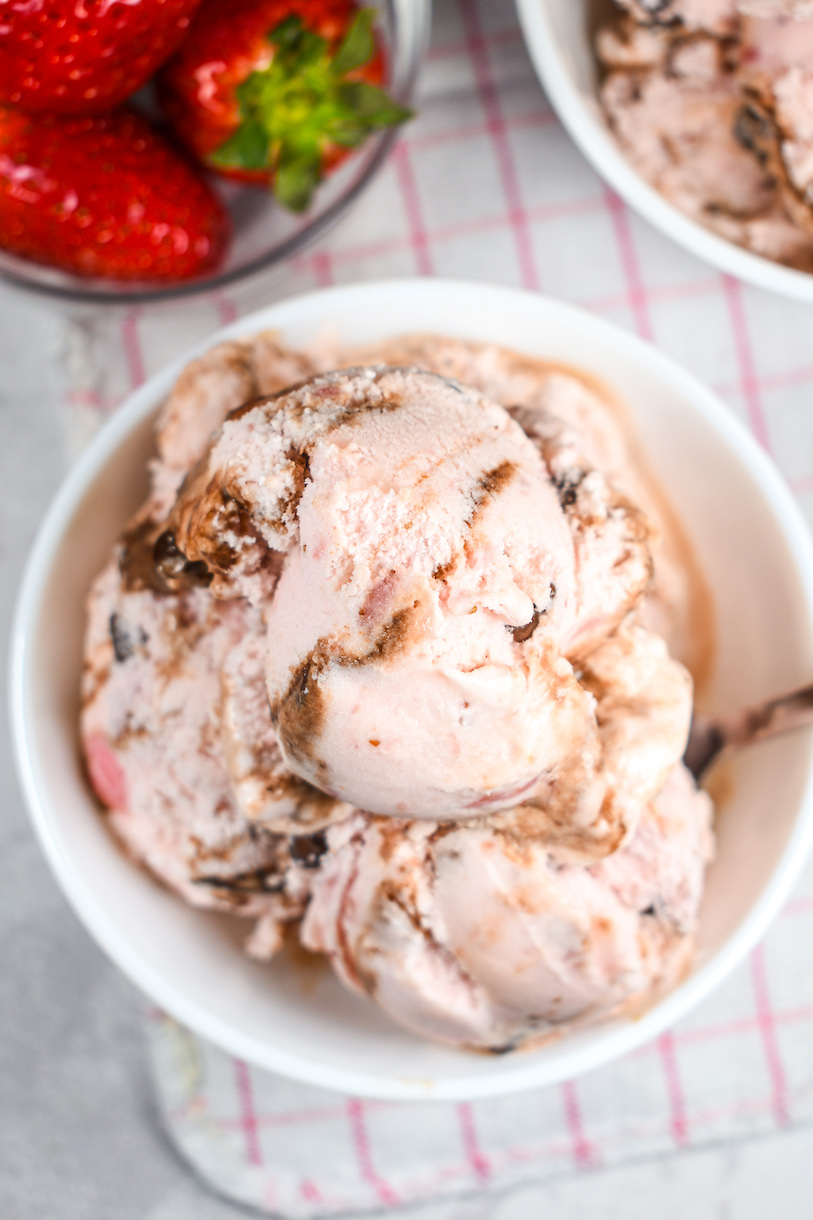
x: 557, y: 36
x: 752, y: 544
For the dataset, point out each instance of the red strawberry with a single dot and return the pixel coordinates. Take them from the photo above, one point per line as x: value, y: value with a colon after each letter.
x: 84, y: 56
x: 105, y: 196
x: 277, y: 91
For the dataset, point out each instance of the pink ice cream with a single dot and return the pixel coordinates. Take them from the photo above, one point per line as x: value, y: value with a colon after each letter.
x: 473, y: 937
x: 424, y: 540
x: 152, y: 737
x: 429, y: 594
x: 713, y: 103
x: 177, y: 745
x: 429, y: 572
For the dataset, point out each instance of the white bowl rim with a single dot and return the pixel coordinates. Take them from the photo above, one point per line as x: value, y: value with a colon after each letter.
x: 598, y: 146
x: 520, y: 1073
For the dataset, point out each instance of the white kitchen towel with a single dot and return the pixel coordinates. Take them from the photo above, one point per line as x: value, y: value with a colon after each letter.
x: 485, y: 184
x: 740, y: 1065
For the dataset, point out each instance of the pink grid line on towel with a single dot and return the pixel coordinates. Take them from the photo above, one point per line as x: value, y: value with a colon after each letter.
x: 722, y: 1074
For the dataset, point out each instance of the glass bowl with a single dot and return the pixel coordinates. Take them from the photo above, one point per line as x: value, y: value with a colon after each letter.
x: 264, y: 233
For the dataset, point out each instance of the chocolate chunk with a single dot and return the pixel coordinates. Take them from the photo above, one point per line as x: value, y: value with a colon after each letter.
x: 169, y: 560
x: 156, y: 563
x: 523, y: 633
x: 308, y: 850
x: 257, y: 882
x: 755, y: 132
x: 174, y: 568
x: 567, y: 485
x: 136, y: 562
x: 125, y: 642
x: 489, y: 485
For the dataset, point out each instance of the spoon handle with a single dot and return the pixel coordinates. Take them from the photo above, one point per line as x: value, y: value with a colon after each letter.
x: 711, y: 736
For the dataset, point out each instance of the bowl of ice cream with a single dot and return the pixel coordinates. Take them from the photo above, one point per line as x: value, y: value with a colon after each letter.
x: 423, y: 703
x: 697, y: 115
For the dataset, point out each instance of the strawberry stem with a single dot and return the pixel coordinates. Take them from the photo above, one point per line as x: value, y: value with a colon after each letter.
x: 294, y: 111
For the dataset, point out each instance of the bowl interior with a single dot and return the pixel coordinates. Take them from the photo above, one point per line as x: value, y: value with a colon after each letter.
x: 558, y: 35
x: 263, y: 233
x: 290, y: 1016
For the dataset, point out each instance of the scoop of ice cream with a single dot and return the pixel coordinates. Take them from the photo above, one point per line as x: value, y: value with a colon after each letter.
x: 440, y: 598
x: 420, y: 620
x: 162, y: 745
x: 481, y: 938
x: 150, y: 729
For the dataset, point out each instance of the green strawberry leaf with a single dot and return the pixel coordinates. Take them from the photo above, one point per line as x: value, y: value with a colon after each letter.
x: 246, y: 149
x: 347, y: 131
x: 293, y: 112
x: 296, y: 45
x: 296, y: 178
x: 371, y: 105
x: 358, y: 46
x: 287, y: 35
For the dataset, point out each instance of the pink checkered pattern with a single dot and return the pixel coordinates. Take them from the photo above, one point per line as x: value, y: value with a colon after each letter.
x: 486, y: 185
x: 738, y: 1067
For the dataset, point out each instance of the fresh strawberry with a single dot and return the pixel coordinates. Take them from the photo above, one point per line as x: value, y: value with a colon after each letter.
x: 84, y: 56
x: 277, y: 91
x: 106, y: 196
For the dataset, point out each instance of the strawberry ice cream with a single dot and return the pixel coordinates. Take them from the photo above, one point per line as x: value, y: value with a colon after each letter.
x: 477, y: 937
x: 430, y: 573
x: 177, y: 746
x: 712, y: 101
x: 151, y: 734
x: 384, y: 652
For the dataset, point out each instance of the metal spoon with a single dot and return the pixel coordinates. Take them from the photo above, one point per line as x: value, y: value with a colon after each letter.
x: 713, y: 736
